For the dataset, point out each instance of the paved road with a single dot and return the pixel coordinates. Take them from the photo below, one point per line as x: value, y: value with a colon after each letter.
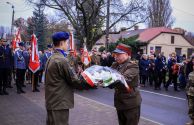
x: 167, y: 108
x: 29, y: 109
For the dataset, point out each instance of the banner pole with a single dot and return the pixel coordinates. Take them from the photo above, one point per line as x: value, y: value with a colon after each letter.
x: 32, y: 81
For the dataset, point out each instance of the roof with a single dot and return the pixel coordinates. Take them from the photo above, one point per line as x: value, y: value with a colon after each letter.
x: 145, y: 35
x: 151, y: 33
x: 115, y: 37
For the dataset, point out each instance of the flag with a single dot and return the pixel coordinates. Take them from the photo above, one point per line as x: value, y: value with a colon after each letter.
x: 72, y: 45
x: 16, y: 39
x: 85, y: 58
x: 34, y: 64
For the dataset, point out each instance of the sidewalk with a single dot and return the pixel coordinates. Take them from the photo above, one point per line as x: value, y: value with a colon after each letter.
x: 29, y: 109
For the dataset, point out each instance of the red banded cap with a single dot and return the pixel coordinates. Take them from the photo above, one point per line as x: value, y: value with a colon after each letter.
x: 122, y: 48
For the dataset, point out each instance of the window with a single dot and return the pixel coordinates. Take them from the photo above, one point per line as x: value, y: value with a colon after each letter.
x: 158, y: 50
x: 172, y: 39
x: 178, y: 51
x: 189, y: 52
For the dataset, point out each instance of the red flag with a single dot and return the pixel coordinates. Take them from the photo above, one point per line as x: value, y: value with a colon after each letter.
x: 72, y: 45
x: 71, y: 41
x: 16, y: 39
x: 85, y: 58
x: 34, y: 64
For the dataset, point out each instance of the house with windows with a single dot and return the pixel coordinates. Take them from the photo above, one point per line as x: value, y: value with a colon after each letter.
x: 159, y: 39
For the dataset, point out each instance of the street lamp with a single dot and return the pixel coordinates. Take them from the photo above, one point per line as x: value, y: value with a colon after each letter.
x: 12, y: 6
x: 107, y: 24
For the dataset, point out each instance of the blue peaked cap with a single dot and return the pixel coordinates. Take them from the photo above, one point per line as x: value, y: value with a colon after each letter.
x: 49, y: 46
x: 21, y: 44
x: 59, y: 36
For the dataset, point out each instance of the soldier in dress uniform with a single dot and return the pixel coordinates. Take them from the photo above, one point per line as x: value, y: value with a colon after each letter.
x: 60, y: 80
x: 190, y: 96
x: 3, y: 68
x: 20, y: 67
x: 72, y: 60
x: 95, y: 59
x: 127, y: 102
x: 9, y: 62
x: 47, y: 54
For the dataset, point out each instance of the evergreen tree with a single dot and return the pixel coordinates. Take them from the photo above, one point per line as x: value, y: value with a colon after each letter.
x: 38, y: 25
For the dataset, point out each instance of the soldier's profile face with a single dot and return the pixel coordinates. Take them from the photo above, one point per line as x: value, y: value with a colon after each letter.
x: 121, y: 57
x: 64, y: 45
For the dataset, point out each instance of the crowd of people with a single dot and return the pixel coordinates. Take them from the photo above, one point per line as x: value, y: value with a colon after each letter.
x: 158, y: 70
x: 14, y: 67
x: 153, y: 70
x: 61, y: 66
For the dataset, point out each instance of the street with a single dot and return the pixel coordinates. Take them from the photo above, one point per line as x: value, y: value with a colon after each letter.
x: 167, y: 108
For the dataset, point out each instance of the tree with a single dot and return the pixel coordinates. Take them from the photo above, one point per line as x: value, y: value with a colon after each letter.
x: 132, y: 42
x: 160, y: 13
x: 88, y: 16
x: 101, y: 49
x: 37, y: 24
x: 20, y: 23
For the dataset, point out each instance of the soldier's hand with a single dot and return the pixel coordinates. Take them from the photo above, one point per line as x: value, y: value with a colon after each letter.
x: 100, y: 83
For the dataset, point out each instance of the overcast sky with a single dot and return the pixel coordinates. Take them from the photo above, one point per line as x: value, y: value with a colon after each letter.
x: 182, y: 11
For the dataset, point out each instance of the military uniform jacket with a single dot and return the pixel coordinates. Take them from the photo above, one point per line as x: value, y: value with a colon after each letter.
x: 95, y: 60
x: 190, y: 84
x: 127, y: 100
x: 20, y: 59
x: 72, y: 61
x: 60, y: 80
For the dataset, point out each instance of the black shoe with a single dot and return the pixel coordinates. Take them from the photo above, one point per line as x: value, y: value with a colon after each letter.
x: 38, y: 85
x: 23, y: 85
x: 18, y: 92
x: 176, y: 90
x: 9, y: 86
x: 1, y: 93
x: 22, y: 91
x: 36, y: 90
x: 166, y: 88
x: 5, y: 93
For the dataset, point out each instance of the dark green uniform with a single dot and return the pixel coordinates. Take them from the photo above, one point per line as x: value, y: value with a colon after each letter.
x: 190, y: 95
x: 73, y: 61
x: 95, y: 60
x: 128, y: 103
x: 60, y: 80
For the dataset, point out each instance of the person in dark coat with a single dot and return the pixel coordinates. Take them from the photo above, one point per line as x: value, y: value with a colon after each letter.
x: 164, y: 70
x: 110, y: 58
x: 152, y: 71
x: 104, y: 59
x: 144, y: 66
x: 4, y: 55
x: 159, y: 71
x: 189, y: 67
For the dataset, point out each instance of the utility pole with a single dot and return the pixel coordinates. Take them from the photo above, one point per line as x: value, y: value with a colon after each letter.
x: 13, y: 12
x: 107, y: 24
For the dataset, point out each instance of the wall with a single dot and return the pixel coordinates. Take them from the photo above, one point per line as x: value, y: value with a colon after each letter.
x: 164, y: 40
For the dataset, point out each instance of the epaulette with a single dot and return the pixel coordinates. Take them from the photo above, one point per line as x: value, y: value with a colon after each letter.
x: 133, y: 62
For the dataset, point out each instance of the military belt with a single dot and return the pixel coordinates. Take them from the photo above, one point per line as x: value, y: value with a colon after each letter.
x: 132, y: 89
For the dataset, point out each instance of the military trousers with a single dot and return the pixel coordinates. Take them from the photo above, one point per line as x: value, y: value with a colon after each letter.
x: 3, y: 79
x: 57, y: 117
x: 191, y: 106
x: 20, y: 77
x: 129, y: 116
